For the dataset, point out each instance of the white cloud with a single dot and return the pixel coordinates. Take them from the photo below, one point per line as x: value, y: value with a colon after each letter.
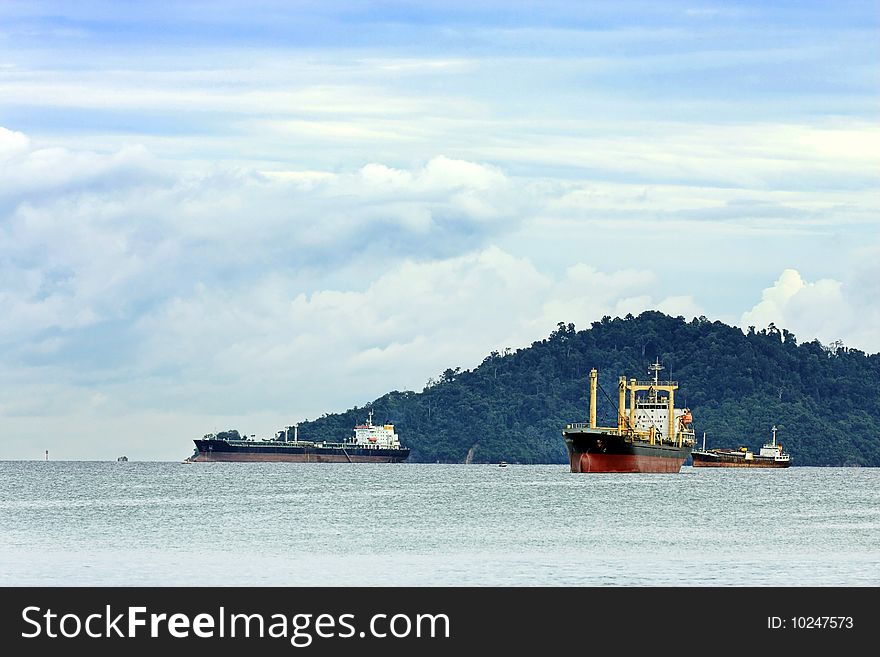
x: 826, y: 309
x: 757, y: 156
x: 12, y: 143
x: 682, y: 305
x: 89, y: 235
x: 135, y: 285
x: 131, y: 285
x: 275, y: 354
x: 271, y: 347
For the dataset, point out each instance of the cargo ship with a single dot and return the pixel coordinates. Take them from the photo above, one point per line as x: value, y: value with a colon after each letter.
x: 770, y: 456
x: 651, y: 434
x: 369, y: 444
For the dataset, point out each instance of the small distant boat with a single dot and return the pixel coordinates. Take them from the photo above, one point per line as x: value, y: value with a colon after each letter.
x: 503, y: 464
x: 122, y: 459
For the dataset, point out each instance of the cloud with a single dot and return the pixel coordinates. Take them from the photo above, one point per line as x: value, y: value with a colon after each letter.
x: 826, y: 309
x: 136, y: 285
x: 12, y: 143
x: 91, y: 236
x: 149, y: 285
x: 270, y: 346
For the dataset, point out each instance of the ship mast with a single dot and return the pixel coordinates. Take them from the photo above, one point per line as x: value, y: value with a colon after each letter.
x: 774, y: 435
x: 655, y: 368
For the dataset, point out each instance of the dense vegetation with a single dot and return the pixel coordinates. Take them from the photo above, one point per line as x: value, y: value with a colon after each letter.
x: 824, y: 400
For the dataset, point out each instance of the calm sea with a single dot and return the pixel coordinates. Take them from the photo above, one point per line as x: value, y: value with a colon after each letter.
x: 267, y: 524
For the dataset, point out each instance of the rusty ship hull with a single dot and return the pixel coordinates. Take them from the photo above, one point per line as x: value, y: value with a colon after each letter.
x: 235, y: 451
x: 722, y: 459
x: 598, y: 451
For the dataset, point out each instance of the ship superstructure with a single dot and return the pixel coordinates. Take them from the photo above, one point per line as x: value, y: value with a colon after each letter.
x: 382, y: 436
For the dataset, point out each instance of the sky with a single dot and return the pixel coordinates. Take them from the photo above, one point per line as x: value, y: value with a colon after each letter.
x: 226, y: 214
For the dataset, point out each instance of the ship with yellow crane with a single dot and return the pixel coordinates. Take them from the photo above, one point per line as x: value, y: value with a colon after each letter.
x: 651, y: 434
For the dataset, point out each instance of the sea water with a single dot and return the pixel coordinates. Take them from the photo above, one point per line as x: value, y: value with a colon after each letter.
x: 280, y: 524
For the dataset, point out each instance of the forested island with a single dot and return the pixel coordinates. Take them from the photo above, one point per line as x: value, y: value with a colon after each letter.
x: 823, y: 399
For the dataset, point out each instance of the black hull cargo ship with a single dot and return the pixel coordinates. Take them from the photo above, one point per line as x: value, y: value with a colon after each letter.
x: 370, y: 444
x: 589, y: 452
x: 651, y: 436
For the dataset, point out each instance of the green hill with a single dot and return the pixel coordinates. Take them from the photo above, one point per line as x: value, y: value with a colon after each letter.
x: 824, y: 400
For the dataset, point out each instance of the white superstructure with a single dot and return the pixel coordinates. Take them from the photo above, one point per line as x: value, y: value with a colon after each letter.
x: 370, y: 435
x: 650, y: 415
x: 773, y: 451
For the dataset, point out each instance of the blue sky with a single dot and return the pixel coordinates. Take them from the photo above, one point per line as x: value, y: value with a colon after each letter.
x: 232, y: 214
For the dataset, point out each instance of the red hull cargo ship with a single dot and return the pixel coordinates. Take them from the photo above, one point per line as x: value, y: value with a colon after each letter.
x: 651, y: 434
x: 370, y: 444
